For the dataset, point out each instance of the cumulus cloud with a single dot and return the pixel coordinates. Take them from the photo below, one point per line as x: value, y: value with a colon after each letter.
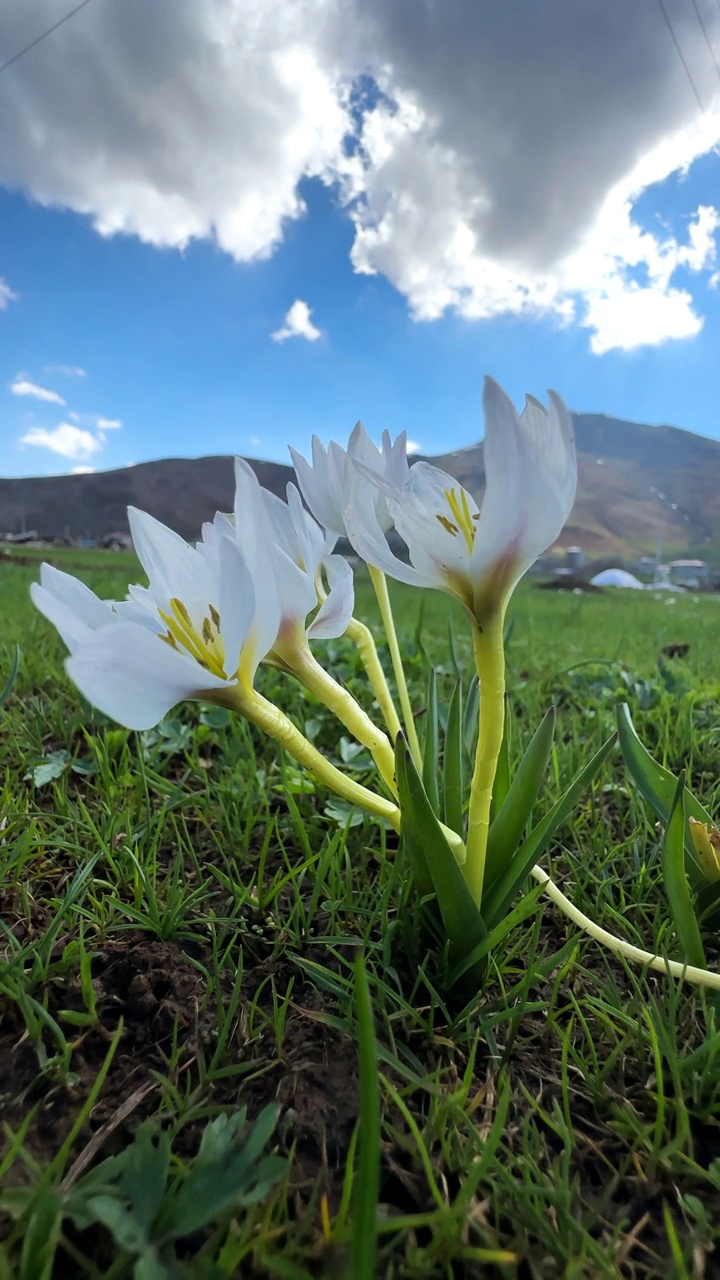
x: 6, y: 294
x: 21, y: 387
x: 83, y: 471
x: 413, y: 446
x: 67, y: 440
x: 297, y: 324
x: 108, y: 424
x: 490, y: 157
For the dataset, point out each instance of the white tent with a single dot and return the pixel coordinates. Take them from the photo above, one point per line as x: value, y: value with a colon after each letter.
x: 617, y: 578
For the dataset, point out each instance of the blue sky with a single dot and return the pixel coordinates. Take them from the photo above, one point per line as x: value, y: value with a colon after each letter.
x: 173, y: 330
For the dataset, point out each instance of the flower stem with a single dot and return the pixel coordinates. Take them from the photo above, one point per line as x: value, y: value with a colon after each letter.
x: 315, y: 678
x: 379, y: 581
x: 490, y: 666
x: 701, y: 977
x: 276, y: 724
x: 362, y: 638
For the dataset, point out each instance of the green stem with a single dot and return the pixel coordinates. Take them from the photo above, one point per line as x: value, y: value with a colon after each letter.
x: 379, y: 582
x: 275, y: 723
x: 362, y: 638
x: 701, y: 977
x: 490, y: 666
x: 348, y: 711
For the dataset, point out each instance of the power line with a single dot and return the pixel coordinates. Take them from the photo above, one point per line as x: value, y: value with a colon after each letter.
x: 680, y: 54
x: 21, y: 52
x: 711, y: 51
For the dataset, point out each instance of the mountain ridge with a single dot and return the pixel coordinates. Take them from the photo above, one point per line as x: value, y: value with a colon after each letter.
x: 639, y: 486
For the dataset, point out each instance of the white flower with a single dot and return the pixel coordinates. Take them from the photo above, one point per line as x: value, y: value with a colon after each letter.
x: 477, y: 554
x: 210, y: 613
x: 195, y: 632
x: 326, y: 484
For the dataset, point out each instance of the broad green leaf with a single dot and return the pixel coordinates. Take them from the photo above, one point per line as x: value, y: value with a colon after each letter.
x: 431, y: 752
x: 126, y: 1230
x: 412, y: 842
x: 144, y: 1177
x: 505, y: 887
x: 507, y: 827
x: 453, y: 773
x: 527, y: 906
x: 501, y: 784
x: 657, y: 785
x: 675, y: 880
x: 463, y: 922
x: 52, y: 767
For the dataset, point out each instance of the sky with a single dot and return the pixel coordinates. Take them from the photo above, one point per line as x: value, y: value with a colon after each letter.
x: 225, y: 227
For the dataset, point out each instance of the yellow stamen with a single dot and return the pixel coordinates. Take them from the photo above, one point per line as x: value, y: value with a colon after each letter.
x: 460, y: 508
x: 206, y: 648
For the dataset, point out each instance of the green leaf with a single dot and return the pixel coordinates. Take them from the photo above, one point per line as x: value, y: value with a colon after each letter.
x: 126, y: 1230
x: 41, y: 1237
x: 144, y: 1177
x: 431, y: 748
x: 507, y: 827
x: 52, y: 767
x: 501, y: 784
x: 461, y: 917
x: 470, y: 719
x: 366, y: 1183
x: 453, y: 771
x: 452, y: 647
x: 657, y: 785
x: 675, y: 880
x: 503, y: 891
x: 7, y: 687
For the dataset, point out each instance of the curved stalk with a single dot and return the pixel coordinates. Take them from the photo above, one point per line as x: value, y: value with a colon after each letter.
x: 701, y: 977
x: 490, y: 665
x: 348, y: 711
x: 379, y: 581
x: 275, y: 723
x: 362, y: 638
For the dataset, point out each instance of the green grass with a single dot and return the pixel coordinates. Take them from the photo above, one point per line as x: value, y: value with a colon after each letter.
x: 182, y: 914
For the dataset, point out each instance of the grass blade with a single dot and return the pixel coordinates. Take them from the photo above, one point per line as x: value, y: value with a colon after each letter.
x: 367, y: 1178
x: 431, y: 746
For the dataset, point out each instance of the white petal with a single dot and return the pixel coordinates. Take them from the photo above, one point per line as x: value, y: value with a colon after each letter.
x: 135, y: 677
x: 336, y: 611
x: 253, y: 532
x: 236, y: 604
x: 368, y: 539
x: 438, y: 550
x: 531, y: 477
x: 320, y: 486
x: 70, y: 606
x: 173, y: 567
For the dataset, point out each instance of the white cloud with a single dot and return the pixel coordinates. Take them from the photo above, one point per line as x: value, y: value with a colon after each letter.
x: 84, y: 471
x: 65, y: 439
x: 108, y: 424
x: 413, y: 446
x: 6, y: 294
x: 494, y: 163
x: 21, y: 387
x: 69, y: 370
x: 297, y: 324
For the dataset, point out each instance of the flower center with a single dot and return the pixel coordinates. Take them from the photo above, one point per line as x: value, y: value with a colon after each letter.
x: 463, y: 520
x: 205, y: 646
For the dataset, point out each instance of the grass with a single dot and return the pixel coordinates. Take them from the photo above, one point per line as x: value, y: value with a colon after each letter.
x: 187, y: 1034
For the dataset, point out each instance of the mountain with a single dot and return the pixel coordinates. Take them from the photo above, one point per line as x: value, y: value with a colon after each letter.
x: 638, y: 486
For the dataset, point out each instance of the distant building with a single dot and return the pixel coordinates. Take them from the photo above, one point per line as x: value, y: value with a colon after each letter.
x: 574, y: 559
x: 688, y: 573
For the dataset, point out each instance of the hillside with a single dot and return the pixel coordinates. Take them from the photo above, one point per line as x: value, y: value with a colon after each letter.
x: 638, y: 485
